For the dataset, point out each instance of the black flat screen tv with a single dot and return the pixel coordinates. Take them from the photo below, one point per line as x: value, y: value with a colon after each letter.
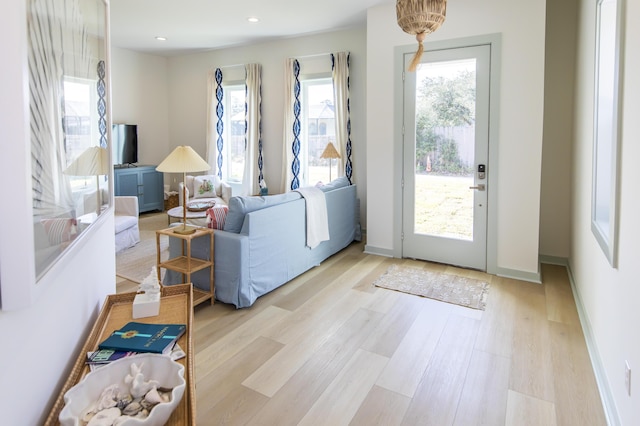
x: 124, y: 141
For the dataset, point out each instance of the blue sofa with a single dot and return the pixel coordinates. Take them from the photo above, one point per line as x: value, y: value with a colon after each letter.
x: 263, y: 244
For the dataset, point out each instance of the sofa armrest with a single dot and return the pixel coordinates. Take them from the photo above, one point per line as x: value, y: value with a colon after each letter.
x: 126, y: 205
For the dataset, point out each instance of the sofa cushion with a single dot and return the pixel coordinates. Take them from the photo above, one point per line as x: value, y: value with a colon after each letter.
x: 239, y: 206
x: 340, y: 182
x: 216, y: 217
x: 121, y: 222
x: 204, y: 187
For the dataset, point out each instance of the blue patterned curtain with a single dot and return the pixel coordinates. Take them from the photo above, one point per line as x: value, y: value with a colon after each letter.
x: 291, y: 178
x: 215, y: 124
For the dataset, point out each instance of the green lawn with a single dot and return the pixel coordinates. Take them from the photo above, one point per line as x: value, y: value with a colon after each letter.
x: 444, y: 206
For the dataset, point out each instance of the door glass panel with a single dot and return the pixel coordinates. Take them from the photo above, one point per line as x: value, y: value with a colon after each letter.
x: 444, y: 148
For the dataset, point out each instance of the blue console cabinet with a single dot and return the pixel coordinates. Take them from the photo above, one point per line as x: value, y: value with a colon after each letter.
x: 143, y: 182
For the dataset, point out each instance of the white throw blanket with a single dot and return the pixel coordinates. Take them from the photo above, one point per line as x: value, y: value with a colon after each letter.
x: 317, y: 218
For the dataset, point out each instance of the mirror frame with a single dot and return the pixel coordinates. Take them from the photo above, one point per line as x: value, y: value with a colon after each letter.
x: 607, y: 126
x: 46, y: 87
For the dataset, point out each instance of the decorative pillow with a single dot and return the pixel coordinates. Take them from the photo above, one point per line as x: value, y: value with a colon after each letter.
x: 216, y: 216
x: 203, y: 187
x: 339, y: 182
x: 60, y: 230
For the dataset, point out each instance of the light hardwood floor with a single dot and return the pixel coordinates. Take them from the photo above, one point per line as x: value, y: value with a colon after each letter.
x: 328, y: 348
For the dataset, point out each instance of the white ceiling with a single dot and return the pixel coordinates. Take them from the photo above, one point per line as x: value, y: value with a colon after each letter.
x: 197, y: 25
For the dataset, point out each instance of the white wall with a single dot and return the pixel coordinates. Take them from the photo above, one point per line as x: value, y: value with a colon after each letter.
x: 41, y: 341
x: 555, y: 203
x: 188, y: 94
x: 139, y: 95
x: 609, y: 295
x: 522, y: 25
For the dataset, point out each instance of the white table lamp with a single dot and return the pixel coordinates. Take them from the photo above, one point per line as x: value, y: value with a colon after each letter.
x: 93, y: 161
x: 183, y: 160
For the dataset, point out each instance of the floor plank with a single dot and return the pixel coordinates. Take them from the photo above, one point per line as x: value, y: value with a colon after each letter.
x: 530, y: 350
x: 341, y: 400
x: 574, y: 381
x: 436, y: 399
x: 381, y: 407
x: 484, y: 396
x: 524, y: 410
x: 291, y: 403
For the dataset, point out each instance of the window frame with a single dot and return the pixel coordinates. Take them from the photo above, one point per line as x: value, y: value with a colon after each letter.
x: 227, y: 164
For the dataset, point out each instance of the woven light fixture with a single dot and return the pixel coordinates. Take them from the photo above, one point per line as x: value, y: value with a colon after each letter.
x: 419, y: 18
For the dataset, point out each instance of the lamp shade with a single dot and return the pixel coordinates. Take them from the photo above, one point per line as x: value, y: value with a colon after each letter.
x: 93, y: 161
x: 330, y: 152
x: 183, y: 159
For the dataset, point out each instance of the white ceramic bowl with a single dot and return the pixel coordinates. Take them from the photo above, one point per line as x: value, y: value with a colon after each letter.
x: 167, y: 372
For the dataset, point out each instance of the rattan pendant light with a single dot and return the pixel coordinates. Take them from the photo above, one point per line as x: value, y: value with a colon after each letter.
x: 419, y: 18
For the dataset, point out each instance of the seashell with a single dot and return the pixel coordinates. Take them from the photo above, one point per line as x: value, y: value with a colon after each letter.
x: 142, y: 414
x: 123, y: 401
x: 146, y: 404
x: 88, y: 415
x: 153, y: 396
x: 120, y: 420
x: 132, y: 409
x: 166, y: 396
x: 108, y: 398
x: 105, y: 417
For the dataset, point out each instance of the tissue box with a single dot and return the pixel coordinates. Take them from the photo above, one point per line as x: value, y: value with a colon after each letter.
x: 146, y: 305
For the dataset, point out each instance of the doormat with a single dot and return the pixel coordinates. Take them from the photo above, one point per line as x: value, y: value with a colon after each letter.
x: 448, y: 288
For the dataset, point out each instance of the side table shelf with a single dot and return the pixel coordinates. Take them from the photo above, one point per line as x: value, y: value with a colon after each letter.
x: 186, y: 264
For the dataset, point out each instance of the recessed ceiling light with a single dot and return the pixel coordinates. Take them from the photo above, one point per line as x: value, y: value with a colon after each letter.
x: 252, y: 19
x: 160, y: 38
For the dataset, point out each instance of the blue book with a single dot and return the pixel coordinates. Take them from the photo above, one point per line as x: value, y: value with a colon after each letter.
x: 141, y: 337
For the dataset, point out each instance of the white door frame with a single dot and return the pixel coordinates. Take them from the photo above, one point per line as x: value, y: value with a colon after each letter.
x: 494, y: 41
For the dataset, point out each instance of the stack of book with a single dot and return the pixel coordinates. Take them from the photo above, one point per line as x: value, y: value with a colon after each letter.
x: 136, y: 337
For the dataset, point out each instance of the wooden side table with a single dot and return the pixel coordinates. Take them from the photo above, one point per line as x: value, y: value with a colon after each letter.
x: 176, y: 307
x: 186, y: 264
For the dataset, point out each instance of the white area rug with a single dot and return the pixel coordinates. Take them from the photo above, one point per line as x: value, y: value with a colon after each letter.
x: 448, y: 288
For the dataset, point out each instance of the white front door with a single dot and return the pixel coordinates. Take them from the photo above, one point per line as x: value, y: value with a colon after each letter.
x: 446, y: 155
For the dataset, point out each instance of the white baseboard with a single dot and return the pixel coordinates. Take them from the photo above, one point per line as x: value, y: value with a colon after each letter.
x: 533, y: 277
x: 378, y: 251
x: 608, y: 403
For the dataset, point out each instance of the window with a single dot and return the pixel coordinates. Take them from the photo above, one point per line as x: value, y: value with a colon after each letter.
x: 234, y: 133
x: 318, y: 129
x: 80, y: 125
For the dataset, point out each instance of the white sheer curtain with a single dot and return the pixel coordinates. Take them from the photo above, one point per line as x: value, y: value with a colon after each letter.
x: 291, y: 140
x: 340, y: 75
x: 215, y: 110
x: 59, y: 47
x: 253, y: 140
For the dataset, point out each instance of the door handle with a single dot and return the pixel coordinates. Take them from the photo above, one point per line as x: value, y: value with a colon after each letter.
x: 480, y: 187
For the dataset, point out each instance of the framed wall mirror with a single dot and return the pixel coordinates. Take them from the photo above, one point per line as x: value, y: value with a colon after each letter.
x: 69, y: 122
x: 606, y: 143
